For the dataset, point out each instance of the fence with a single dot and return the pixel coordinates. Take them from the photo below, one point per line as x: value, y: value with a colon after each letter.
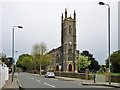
x: 3, y: 74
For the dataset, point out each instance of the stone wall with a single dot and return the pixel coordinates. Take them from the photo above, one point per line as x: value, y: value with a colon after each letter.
x: 115, y: 78
x: 72, y: 75
x: 35, y: 72
x: 66, y: 74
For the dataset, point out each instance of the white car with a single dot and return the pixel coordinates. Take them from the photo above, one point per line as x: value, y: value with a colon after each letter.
x: 49, y: 74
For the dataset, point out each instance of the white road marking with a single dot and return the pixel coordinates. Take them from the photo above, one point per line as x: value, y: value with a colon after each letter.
x: 32, y: 78
x: 37, y: 80
x: 49, y: 85
x: 53, y: 79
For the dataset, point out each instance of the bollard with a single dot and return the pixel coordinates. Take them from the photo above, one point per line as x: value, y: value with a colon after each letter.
x: 107, y: 75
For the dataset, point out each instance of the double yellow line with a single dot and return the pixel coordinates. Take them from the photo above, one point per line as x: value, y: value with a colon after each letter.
x: 20, y: 85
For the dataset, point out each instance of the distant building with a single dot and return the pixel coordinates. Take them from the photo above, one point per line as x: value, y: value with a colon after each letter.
x: 66, y: 54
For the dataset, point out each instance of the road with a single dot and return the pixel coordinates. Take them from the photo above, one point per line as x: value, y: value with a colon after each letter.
x: 100, y: 78
x: 31, y: 81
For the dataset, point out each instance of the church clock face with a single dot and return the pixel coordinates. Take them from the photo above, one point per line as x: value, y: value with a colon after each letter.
x: 70, y: 42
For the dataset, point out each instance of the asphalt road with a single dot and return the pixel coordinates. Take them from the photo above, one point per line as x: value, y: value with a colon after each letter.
x: 100, y: 78
x: 31, y: 81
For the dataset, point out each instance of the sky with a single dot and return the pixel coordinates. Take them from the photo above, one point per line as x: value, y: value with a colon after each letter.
x: 42, y: 23
x: 119, y: 25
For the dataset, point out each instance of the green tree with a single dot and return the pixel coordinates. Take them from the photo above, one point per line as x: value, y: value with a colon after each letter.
x: 115, y: 62
x: 45, y: 61
x: 103, y: 67
x: 7, y: 61
x: 25, y: 61
x: 28, y: 63
x: 94, y: 63
x: 82, y: 62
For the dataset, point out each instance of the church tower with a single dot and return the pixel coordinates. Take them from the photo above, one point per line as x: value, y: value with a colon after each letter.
x: 68, y: 42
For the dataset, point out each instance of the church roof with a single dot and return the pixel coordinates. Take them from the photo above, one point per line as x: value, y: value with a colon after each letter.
x: 54, y: 49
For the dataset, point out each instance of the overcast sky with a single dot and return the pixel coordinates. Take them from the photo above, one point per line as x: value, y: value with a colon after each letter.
x: 42, y: 22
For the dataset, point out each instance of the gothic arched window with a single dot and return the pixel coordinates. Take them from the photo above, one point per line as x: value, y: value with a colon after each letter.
x: 69, y: 55
x: 70, y: 30
x: 57, y: 58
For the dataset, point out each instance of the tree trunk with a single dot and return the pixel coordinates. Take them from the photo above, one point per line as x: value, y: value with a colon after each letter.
x: 40, y: 68
x: 35, y: 64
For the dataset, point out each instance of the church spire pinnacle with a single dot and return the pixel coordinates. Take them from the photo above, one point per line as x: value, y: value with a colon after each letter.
x: 62, y: 17
x: 74, y: 15
x: 65, y: 12
x: 70, y: 16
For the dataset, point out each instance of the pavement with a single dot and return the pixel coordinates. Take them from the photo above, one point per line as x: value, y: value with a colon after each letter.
x: 11, y: 85
x: 115, y: 85
x: 91, y: 82
x: 100, y: 81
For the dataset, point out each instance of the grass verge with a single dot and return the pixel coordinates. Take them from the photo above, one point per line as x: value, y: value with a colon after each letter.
x: 104, y: 73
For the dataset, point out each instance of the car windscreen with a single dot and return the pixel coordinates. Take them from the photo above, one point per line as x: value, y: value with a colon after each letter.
x: 50, y: 73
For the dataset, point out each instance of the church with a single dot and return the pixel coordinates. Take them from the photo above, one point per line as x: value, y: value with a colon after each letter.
x: 64, y: 56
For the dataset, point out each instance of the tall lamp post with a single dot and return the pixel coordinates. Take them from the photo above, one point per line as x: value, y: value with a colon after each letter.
x: 101, y: 3
x: 13, y: 51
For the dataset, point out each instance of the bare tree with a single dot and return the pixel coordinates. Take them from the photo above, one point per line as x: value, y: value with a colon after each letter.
x: 43, y: 49
x: 38, y: 51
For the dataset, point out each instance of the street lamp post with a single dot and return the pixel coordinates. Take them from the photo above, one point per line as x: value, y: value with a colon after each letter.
x: 101, y: 3
x: 13, y: 51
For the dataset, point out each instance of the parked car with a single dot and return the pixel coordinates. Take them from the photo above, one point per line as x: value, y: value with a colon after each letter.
x: 49, y: 74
